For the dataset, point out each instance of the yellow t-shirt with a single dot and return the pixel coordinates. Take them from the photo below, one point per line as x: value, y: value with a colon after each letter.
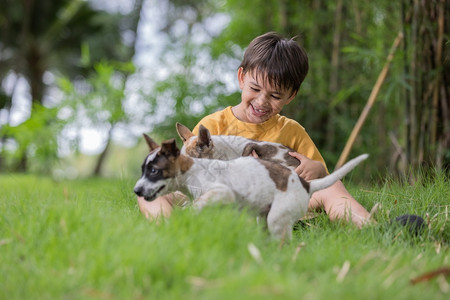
x: 277, y: 129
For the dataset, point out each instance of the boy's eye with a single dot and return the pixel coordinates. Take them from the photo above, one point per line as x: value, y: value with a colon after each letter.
x: 276, y: 97
x: 255, y: 89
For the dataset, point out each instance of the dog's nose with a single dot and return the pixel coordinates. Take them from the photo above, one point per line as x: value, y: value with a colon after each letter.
x: 138, y: 190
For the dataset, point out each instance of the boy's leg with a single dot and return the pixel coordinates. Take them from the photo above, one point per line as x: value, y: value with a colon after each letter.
x: 339, y: 204
x: 161, y: 206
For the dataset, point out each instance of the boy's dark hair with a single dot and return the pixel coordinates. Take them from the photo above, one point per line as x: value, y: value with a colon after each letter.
x: 283, y: 62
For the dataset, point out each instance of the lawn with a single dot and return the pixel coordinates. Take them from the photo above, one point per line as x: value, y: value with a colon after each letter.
x: 85, y: 239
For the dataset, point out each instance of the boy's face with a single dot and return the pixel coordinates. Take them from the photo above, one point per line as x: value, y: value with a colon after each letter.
x: 259, y: 100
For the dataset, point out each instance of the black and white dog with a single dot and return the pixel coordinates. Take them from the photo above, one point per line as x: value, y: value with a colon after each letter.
x: 264, y: 186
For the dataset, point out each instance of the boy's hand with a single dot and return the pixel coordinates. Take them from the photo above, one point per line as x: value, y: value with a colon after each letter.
x: 308, y: 169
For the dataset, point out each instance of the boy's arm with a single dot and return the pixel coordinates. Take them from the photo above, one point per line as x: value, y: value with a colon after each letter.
x: 294, y: 136
x: 309, y: 169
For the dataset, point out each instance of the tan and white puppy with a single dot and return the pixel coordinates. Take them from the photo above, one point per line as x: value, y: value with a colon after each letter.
x: 226, y: 147
x: 263, y: 186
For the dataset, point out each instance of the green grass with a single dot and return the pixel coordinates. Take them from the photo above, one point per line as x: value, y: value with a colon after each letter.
x: 86, y: 239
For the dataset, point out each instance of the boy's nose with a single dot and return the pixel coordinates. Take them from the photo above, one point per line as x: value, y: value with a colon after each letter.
x: 262, y: 98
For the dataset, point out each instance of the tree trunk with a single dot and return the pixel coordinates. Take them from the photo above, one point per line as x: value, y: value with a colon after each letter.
x: 333, y: 86
x: 427, y: 126
x: 136, y: 17
x: 102, y: 158
x: 3, y: 137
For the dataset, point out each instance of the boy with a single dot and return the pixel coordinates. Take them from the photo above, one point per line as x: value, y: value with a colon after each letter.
x: 270, y: 76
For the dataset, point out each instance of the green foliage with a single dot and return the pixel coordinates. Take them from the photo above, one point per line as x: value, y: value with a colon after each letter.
x: 192, y: 89
x: 98, y: 101
x: 86, y: 239
x: 45, y: 38
x: 34, y: 139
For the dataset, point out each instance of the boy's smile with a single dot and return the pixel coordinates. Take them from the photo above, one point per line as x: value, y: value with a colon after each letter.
x: 259, y: 100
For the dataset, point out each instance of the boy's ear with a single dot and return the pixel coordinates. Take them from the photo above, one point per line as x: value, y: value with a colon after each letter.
x: 294, y: 94
x: 240, y: 75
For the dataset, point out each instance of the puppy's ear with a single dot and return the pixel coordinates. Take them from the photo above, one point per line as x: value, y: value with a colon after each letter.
x: 169, y: 148
x: 152, y: 145
x: 184, y: 132
x: 204, y: 137
x: 249, y: 148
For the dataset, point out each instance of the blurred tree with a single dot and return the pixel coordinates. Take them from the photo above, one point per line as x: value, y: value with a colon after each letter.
x: 99, y: 103
x: 46, y: 36
x: 115, y: 106
x: 192, y: 84
x: 38, y: 137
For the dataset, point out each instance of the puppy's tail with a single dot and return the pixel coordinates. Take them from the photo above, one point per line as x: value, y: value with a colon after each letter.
x: 319, y: 184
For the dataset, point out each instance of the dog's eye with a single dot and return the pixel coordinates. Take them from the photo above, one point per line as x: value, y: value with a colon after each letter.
x: 154, y: 171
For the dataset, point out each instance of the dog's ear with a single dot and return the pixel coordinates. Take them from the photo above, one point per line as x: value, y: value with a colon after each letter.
x: 169, y: 148
x: 152, y: 145
x: 249, y: 148
x: 204, y: 137
x: 184, y: 132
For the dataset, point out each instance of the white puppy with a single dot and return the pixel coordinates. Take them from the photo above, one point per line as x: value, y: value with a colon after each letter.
x: 263, y: 186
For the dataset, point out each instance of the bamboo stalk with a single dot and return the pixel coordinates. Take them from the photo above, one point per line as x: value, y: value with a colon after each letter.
x: 334, y: 73
x: 336, y: 46
x: 438, y: 62
x: 413, y: 138
x: 370, y: 101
